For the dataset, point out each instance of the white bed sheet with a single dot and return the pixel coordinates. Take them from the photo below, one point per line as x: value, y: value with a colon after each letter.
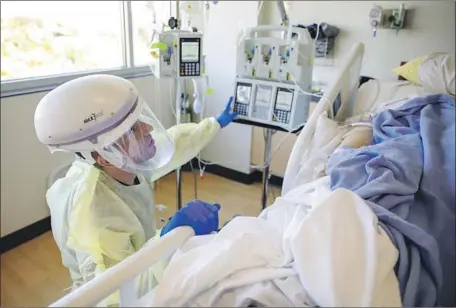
x: 311, y: 247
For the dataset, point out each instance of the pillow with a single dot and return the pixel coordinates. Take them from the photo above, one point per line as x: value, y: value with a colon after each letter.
x: 435, y: 72
x: 375, y: 96
x: 410, y: 70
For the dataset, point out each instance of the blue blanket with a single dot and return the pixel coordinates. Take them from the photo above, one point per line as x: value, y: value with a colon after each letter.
x: 407, y: 175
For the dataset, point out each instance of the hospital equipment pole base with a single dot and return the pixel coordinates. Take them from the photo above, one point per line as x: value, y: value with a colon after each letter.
x: 267, y: 153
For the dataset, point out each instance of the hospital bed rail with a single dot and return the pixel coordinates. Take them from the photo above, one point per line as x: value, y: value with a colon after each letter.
x: 338, y: 101
x: 122, y: 276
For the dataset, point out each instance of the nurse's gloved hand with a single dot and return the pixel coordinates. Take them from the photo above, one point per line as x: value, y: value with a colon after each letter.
x: 227, y: 116
x: 201, y: 216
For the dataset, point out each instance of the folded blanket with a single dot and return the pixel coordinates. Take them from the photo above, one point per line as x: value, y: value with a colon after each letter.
x: 408, y: 177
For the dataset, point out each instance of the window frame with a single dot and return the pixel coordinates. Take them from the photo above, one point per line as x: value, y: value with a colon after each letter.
x: 14, y: 87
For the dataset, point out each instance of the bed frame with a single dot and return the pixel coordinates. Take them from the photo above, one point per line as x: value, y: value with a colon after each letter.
x: 338, y: 100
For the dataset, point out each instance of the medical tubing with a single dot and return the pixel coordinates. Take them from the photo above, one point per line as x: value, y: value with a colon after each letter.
x: 316, y: 38
x: 388, y: 101
x: 377, y: 93
x: 171, y: 100
x: 288, y: 133
x: 195, y: 189
x: 259, y: 9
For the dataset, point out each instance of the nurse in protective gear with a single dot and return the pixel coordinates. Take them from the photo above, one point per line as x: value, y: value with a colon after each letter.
x: 102, y: 211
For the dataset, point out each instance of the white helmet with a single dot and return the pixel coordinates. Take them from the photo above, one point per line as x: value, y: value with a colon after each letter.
x: 103, y: 114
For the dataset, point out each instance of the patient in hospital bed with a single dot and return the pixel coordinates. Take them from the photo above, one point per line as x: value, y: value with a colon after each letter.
x: 260, y: 261
x: 348, y: 233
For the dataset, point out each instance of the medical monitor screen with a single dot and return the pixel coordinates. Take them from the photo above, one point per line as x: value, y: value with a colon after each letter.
x: 190, y: 51
x: 243, y: 93
x: 284, y: 99
x: 263, y: 96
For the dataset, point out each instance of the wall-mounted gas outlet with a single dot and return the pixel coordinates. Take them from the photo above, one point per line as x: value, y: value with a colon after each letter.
x: 380, y: 18
x: 395, y: 18
x: 375, y: 18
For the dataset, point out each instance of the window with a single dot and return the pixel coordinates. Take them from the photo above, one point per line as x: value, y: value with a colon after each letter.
x: 44, y: 43
x: 148, y: 16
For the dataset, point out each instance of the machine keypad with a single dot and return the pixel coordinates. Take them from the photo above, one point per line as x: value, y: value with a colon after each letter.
x: 282, y: 116
x: 190, y: 69
x: 241, y: 109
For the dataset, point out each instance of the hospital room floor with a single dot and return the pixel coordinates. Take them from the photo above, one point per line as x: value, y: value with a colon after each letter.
x: 32, y: 275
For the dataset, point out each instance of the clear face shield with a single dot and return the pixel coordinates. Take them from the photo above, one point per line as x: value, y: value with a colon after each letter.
x: 144, y: 146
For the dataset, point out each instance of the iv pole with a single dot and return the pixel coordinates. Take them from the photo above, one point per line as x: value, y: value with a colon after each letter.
x: 178, y: 120
x: 283, y: 13
x: 180, y: 93
x: 269, y: 131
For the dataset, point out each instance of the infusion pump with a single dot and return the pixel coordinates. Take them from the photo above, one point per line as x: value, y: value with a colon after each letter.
x: 267, y: 102
x: 274, y: 76
x: 177, y: 53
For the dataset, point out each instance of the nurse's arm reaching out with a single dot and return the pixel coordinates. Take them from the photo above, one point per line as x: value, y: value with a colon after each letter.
x: 190, y: 138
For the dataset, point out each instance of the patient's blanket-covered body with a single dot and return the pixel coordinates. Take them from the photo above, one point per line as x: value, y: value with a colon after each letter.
x: 312, y: 247
x: 376, y: 228
x: 408, y: 177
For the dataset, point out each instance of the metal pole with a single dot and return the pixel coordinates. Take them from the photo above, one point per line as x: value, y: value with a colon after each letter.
x: 178, y: 14
x: 283, y: 13
x: 267, y: 158
x: 179, y: 188
x: 178, y: 121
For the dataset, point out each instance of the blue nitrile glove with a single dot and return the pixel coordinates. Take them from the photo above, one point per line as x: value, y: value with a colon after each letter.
x: 226, y: 117
x: 201, y: 216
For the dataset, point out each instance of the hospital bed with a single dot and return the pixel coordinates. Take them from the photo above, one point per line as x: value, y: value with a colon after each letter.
x: 341, y: 99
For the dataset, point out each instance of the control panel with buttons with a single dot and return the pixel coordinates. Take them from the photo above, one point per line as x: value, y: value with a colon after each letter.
x: 190, y: 62
x: 283, y: 103
x: 282, y: 116
x: 190, y: 69
x: 241, y: 109
x: 264, y: 102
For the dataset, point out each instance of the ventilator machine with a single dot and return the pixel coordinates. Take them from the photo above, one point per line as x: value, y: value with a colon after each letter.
x: 274, y: 76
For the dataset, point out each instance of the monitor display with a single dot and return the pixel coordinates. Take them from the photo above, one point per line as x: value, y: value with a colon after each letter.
x: 284, y: 99
x: 190, y: 51
x: 263, y: 96
x: 243, y: 93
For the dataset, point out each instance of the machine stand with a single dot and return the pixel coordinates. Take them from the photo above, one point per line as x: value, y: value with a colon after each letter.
x: 267, y: 158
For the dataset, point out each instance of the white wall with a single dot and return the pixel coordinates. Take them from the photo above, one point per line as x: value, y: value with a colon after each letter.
x: 432, y: 28
x: 25, y: 163
x: 231, y: 147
